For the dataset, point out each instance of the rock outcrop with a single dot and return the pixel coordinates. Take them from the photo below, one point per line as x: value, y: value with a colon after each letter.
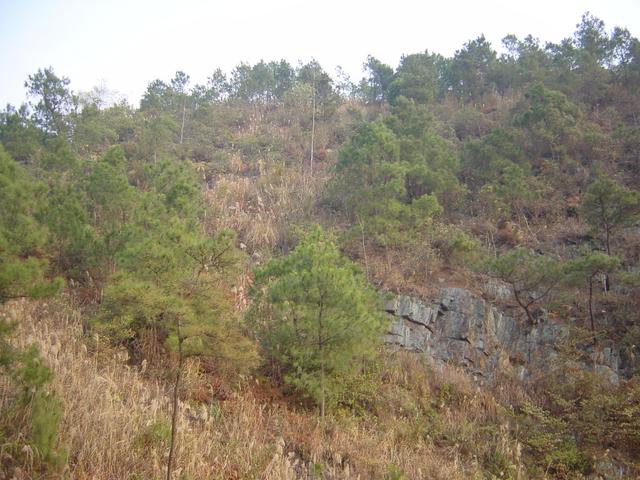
x: 463, y: 329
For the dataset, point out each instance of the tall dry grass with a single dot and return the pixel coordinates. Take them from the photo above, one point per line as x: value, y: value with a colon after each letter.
x: 261, y: 208
x: 115, y: 424
x: 116, y: 419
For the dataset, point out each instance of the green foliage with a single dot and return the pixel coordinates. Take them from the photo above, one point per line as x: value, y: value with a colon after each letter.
x: 20, y: 232
x: 315, y: 316
x: 431, y: 157
x: 370, y: 179
x: 178, y: 186
x: 432, y: 165
x: 416, y: 79
x: 59, y: 160
x: 54, y: 101
x: 394, y: 176
x: 131, y: 308
x: 156, y: 435
x: 512, y: 194
x: 166, y: 96
x: 32, y: 414
x: 356, y: 396
x: 525, y: 62
x: 566, y: 457
x: 470, y: 71
x: 581, y: 405
x: 95, y: 129
x: 499, y: 466
x: 551, y: 120
x: 22, y: 268
x: 374, y: 87
x: 111, y: 201
x: 156, y: 135
x: 531, y: 277
x: 18, y: 134
x: 107, y: 185
x: 262, y: 81
x: 455, y: 246
x: 608, y: 207
x: 581, y: 270
x: 168, y: 283
x: 46, y: 409
x: 25, y: 278
x: 548, y: 437
x: 72, y: 241
x: 172, y: 287
x: 483, y: 159
x: 394, y: 473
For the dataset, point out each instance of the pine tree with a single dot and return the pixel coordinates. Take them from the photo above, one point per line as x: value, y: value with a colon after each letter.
x: 170, y: 296
x: 531, y: 277
x: 30, y: 407
x: 584, y: 270
x: 608, y: 206
x: 315, y: 316
x: 22, y: 238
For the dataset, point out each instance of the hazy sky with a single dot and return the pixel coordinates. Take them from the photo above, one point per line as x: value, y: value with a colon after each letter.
x: 125, y: 44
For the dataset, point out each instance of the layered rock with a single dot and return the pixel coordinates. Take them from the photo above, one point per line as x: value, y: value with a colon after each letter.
x: 463, y: 329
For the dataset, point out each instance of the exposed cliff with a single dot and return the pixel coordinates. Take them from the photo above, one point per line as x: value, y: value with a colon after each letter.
x: 461, y: 328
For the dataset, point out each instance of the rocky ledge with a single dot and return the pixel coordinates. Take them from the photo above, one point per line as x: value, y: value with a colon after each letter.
x: 461, y: 328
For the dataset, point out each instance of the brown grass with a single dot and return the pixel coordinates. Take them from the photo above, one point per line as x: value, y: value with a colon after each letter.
x: 262, y: 208
x: 116, y: 419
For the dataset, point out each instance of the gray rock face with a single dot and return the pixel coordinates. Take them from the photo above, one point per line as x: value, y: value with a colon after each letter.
x: 463, y: 329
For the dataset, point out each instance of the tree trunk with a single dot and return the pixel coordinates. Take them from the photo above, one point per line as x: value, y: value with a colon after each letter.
x: 322, y: 395
x: 524, y: 306
x: 364, y: 250
x: 321, y: 353
x: 593, y: 325
x: 607, y: 285
x: 593, y: 328
x: 174, y: 412
x: 313, y: 121
x: 184, y: 112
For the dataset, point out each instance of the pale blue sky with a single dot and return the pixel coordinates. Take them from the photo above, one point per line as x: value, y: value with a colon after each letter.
x: 128, y: 43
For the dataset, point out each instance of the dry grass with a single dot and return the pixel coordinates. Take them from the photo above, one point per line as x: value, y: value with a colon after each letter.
x: 116, y: 419
x: 116, y: 422
x: 261, y: 208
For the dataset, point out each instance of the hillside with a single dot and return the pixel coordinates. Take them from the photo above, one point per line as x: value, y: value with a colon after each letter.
x: 429, y: 273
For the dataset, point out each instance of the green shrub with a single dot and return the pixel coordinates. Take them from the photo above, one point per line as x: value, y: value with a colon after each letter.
x: 32, y: 414
x: 497, y: 465
x: 155, y: 435
x: 455, y: 246
x: 565, y: 458
x: 394, y: 473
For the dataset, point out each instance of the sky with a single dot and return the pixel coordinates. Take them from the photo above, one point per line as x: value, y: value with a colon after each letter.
x: 123, y: 45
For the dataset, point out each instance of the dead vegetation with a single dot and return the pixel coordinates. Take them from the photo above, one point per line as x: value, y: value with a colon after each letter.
x: 419, y: 422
